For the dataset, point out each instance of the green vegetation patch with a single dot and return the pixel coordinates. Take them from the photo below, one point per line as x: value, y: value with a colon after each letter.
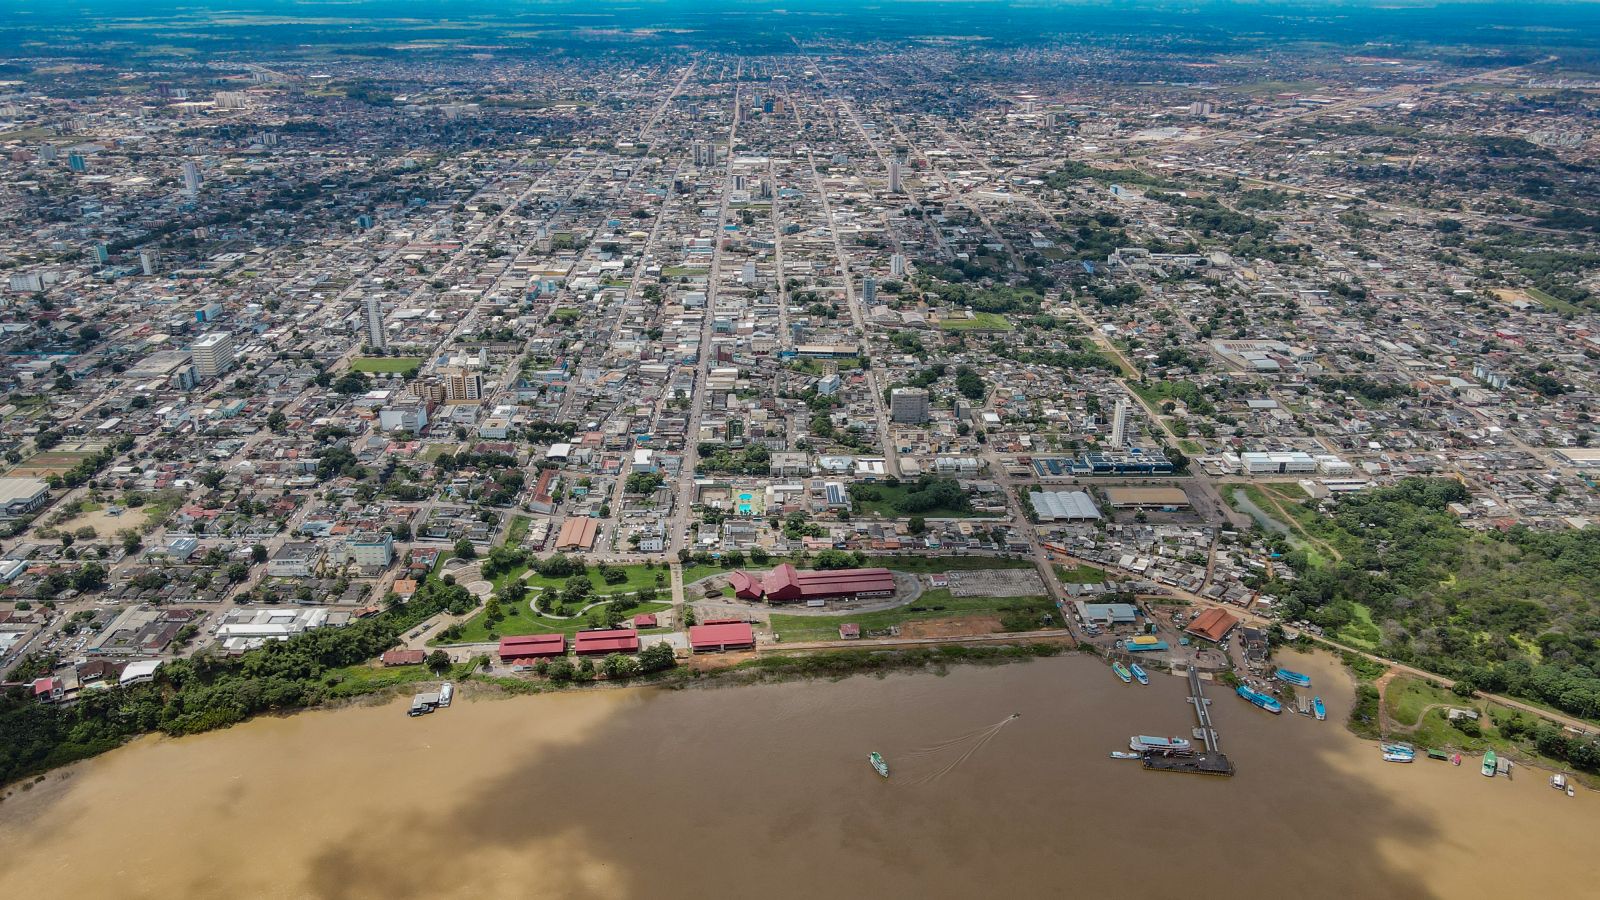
x: 980, y: 321
x: 1016, y: 613
x: 386, y: 364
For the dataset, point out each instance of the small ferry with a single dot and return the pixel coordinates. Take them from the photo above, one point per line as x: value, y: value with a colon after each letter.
x: 447, y: 692
x: 1145, y: 742
x: 1558, y: 781
x: 1139, y: 674
x: 878, y: 763
x: 1123, y: 754
x: 1294, y: 678
x: 1265, y: 701
x: 1317, y: 708
x: 1122, y: 672
x: 1488, y: 764
x: 1398, y: 757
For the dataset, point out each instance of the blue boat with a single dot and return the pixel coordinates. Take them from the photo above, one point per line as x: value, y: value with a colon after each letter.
x: 1317, y: 707
x: 1294, y: 678
x: 1139, y: 674
x: 1122, y: 672
x: 1265, y: 701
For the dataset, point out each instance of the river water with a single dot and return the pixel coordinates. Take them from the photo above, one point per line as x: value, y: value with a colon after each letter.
x: 764, y: 791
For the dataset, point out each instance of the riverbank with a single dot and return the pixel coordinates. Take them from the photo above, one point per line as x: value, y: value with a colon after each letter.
x: 642, y: 793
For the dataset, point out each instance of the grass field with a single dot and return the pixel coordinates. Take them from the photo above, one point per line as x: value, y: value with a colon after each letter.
x: 980, y: 321
x: 884, y: 505
x: 1362, y: 632
x: 639, y: 577
x: 936, y: 604
x: 521, y: 619
x: 1081, y: 574
x: 517, y: 530
x: 385, y: 364
x: 1554, y: 303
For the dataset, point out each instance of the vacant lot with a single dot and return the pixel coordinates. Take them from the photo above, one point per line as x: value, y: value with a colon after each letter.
x: 980, y: 615
x: 386, y: 364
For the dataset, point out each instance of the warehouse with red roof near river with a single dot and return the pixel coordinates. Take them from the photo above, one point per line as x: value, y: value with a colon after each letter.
x: 532, y: 646
x: 714, y: 637
x: 619, y: 640
x: 786, y: 584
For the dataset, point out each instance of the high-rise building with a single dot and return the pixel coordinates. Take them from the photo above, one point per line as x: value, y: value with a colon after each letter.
x: 149, y: 260
x: 77, y: 163
x: 869, y: 290
x: 191, y: 178
x: 102, y: 253
x: 48, y: 153
x: 897, y: 265
x: 372, y: 308
x: 908, y: 405
x: 1119, y: 425
x: 462, y: 384
x: 894, y: 176
x: 213, y: 354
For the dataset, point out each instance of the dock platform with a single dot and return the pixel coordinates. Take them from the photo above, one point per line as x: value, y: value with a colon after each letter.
x: 1206, y: 763
x: 1210, y: 762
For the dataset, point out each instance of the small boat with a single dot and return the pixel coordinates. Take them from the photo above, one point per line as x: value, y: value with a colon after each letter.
x: 1504, y: 767
x: 1317, y: 708
x: 1123, y: 754
x: 1558, y: 781
x: 1139, y: 674
x: 1266, y: 702
x: 1438, y: 754
x: 1455, y: 759
x: 1569, y: 791
x: 1143, y: 742
x: 1122, y: 672
x: 1397, y: 747
x: 1488, y: 764
x: 447, y: 693
x: 1294, y: 678
x: 878, y: 763
x: 1398, y: 757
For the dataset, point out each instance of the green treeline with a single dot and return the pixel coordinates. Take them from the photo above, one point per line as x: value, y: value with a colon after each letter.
x: 1511, y: 613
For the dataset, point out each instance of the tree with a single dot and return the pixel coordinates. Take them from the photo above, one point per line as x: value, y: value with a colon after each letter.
x: 465, y: 550
x: 439, y: 661
x: 258, y: 553
x: 90, y: 577
x: 917, y: 525
x: 238, y: 572
x: 617, y: 666
x: 657, y: 658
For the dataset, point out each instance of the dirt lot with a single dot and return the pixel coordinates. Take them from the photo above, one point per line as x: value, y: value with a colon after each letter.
x: 996, y: 583
x: 956, y: 627
x: 106, y: 525
x: 706, y: 662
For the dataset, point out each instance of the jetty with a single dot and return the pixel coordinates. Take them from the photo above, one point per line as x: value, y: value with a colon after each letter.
x: 1210, y: 761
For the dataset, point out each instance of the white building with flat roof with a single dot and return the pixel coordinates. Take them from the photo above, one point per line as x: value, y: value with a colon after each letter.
x: 212, y: 353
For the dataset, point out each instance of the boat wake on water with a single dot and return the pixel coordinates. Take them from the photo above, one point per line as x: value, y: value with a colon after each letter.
x: 960, y: 749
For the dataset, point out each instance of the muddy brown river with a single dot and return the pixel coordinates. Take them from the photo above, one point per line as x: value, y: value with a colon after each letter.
x: 765, y: 792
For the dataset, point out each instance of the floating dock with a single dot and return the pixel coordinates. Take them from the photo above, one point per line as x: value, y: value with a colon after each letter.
x: 1209, y: 762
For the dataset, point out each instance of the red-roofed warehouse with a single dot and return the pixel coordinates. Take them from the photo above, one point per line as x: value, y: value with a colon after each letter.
x: 621, y: 640
x: 532, y: 646
x: 722, y: 636
x: 786, y: 584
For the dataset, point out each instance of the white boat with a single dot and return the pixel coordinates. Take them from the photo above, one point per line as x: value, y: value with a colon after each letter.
x: 1390, y: 756
x: 1558, y: 781
x: 447, y: 692
x: 1144, y: 742
x: 879, y: 764
x: 1123, y: 754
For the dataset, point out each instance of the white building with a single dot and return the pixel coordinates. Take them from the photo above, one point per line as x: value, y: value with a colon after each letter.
x: 213, y: 354
x: 1286, y: 463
